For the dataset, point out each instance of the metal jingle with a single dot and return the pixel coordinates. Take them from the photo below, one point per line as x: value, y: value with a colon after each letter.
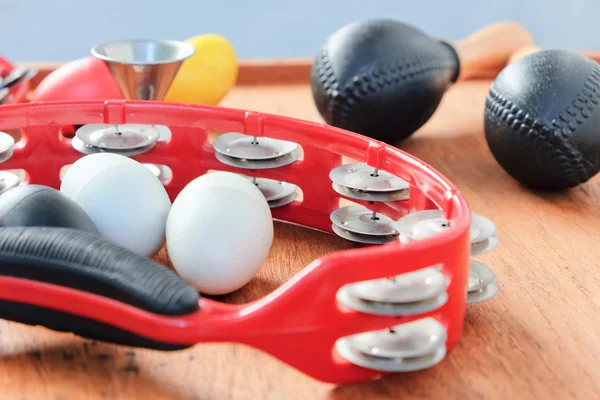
x: 408, y: 364
x: 411, y: 287
x: 481, y: 228
x: 483, y: 294
x: 344, y: 296
x: 273, y: 189
x: 403, y: 194
x: 413, y: 339
x: 480, y: 275
x: 15, y: 76
x: 360, y: 176
x: 129, y: 137
x: 4, y: 95
x: 6, y: 155
x: 360, y: 220
x: 484, y: 246
x: 8, y: 180
x: 87, y: 149
x: 365, y: 239
x: 283, y: 201
x: 246, y: 147
x: 259, y: 164
x: 421, y: 224
x: 7, y: 143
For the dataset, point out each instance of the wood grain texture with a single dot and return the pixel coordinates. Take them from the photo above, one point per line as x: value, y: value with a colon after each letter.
x: 538, y: 338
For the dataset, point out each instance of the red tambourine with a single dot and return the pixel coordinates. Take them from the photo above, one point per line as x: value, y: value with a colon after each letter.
x: 394, y: 303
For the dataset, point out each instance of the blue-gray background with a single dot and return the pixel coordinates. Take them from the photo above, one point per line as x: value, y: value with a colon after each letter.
x: 61, y: 30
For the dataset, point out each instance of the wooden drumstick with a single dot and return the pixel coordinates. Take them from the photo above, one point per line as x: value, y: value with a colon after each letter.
x: 490, y: 48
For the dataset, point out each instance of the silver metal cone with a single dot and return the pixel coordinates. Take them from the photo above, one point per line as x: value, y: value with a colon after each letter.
x: 144, y: 69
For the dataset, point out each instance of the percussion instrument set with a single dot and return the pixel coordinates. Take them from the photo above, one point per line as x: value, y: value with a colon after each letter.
x: 395, y: 302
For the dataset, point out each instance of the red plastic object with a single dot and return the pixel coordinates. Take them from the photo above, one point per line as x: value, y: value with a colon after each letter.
x: 18, y: 92
x: 299, y: 322
x: 85, y: 79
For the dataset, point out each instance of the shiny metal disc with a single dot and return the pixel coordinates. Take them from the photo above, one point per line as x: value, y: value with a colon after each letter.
x: 390, y: 364
x: 4, y: 95
x: 129, y: 137
x: 283, y: 201
x: 6, y: 142
x: 361, y: 220
x: 360, y: 176
x: 420, y: 225
x: 365, y: 239
x: 8, y: 180
x: 17, y: 75
x: 484, y: 246
x: 483, y: 294
x: 246, y: 147
x: 6, y: 146
x: 87, y: 149
x: 345, y: 297
x: 402, y: 194
x: 273, y: 189
x: 481, y: 228
x: 480, y: 275
x: 405, y: 288
x: 259, y: 164
x: 413, y: 339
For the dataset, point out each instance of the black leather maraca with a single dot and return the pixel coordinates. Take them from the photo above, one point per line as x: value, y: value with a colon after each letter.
x: 384, y: 79
x: 542, y: 119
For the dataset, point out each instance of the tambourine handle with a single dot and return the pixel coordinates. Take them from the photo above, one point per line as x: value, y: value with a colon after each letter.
x: 79, y: 260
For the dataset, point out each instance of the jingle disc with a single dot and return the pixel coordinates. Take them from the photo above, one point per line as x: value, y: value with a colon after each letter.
x: 4, y: 95
x: 273, y: 189
x: 129, y: 136
x: 411, y: 287
x: 360, y: 176
x: 8, y: 180
x: 483, y: 294
x: 283, y: 201
x: 412, y: 339
x: 371, y: 196
x: 344, y: 296
x: 15, y: 76
x: 261, y: 163
x: 246, y: 147
x: 87, y: 149
x: 484, y: 246
x: 360, y: 220
x: 365, y: 239
x: 480, y: 275
x: 6, y: 146
x: 408, y: 364
x: 481, y: 228
x: 421, y: 224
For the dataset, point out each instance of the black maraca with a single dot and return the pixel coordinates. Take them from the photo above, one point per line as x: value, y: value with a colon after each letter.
x: 542, y: 119
x: 384, y: 79
x: 38, y: 205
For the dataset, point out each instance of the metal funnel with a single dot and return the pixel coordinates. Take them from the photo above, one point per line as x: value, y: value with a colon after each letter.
x: 144, y: 69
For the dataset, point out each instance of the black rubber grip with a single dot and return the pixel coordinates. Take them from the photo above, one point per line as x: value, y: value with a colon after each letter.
x: 84, y: 327
x: 84, y: 261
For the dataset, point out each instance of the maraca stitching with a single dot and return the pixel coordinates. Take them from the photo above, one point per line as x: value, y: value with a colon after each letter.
x: 576, y: 113
x: 363, y: 85
x: 568, y: 159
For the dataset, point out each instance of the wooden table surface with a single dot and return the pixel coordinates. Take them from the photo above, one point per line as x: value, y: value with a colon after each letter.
x: 538, y: 338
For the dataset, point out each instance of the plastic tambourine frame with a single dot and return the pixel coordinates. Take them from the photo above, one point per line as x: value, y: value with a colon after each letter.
x: 300, y: 322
